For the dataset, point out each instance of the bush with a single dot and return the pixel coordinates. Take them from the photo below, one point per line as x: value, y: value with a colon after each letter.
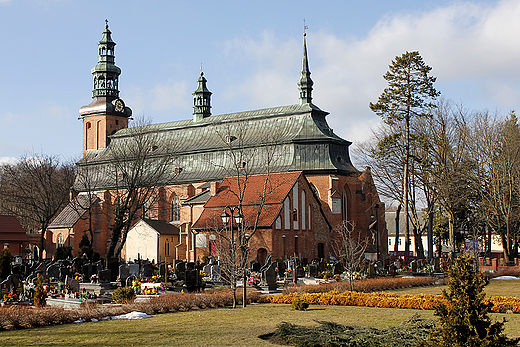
x: 463, y: 312
x: 63, y: 252
x: 40, y: 295
x: 300, y: 305
x: 123, y: 295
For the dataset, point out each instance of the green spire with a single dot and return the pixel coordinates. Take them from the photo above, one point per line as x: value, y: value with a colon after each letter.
x: 305, y: 83
x: 201, y: 100
x: 106, y: 73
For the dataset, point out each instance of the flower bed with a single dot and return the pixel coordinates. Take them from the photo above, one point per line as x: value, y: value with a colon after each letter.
x: 386, y: 300
x: 367, y: 285
x: 17, y: 317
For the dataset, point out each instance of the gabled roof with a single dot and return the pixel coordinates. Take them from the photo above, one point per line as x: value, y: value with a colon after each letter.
x: 277, y: 187
x: 162, y: 227
x: 74, y: 210
x: 200, y: 198
x: 12, y: 230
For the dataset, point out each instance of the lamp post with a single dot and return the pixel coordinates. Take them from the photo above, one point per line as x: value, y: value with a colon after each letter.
x: 376, y: 228
x: 228, y: 218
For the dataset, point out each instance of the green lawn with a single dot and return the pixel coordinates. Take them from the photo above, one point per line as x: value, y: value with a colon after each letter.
x: 494, y: 288
x: 227, y: 327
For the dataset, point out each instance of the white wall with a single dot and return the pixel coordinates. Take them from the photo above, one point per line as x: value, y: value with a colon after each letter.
x: 142, y: 240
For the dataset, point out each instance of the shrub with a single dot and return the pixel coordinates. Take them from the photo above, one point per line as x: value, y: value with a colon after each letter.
x: 63, y: 252
x: 300, y: 305
x: 463, y: 312
x: 40, y: 295
x: 123, y: 295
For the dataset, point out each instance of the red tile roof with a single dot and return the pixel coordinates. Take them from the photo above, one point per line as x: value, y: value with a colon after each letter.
x: 277, y: 186
x: 11, y: 229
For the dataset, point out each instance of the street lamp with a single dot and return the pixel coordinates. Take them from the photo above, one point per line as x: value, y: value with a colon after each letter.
x: 376, y: 227
x: 228, y: 218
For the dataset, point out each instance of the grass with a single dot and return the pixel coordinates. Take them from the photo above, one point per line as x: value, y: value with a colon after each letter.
x: 227, y: 327
x: 212, y: 327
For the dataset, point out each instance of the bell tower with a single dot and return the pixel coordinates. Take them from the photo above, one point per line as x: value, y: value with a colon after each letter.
x: 106, y: 113
x: 201, y: 100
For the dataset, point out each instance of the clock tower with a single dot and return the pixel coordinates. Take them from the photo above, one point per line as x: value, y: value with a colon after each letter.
x: 106, y: 113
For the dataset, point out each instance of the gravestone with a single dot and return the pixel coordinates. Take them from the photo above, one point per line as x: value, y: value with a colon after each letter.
x: 215, y: 273
x: 414, y: 266
x: 269, y: 276
x: 191, y: 275
x: 148, y: 270
x: 87, y: 271
x: 281, y: 268
x: 124, y: 272
x: 162, y: 269
x: 255, y: 266
x: 371, y: 271
x: 133, y: 269
x: 313, y: 270
x: 180, y: 269
x: 53, y: 271
x: 298, y: 273
x: 11, y: 285
x: 437, y: 264
x: 206, y: 269
x: 73, y: 284
x: 104, y: 276
x: 392, y: 270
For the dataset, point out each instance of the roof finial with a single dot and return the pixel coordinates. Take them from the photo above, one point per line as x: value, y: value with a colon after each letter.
x: 106, y: 23
x: 201, y: 72
x: 305, y: 83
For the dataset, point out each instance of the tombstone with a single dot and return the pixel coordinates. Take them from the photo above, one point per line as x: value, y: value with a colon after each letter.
x: 148, y: 270
x: 281, y: 268
x: 11, y: 284
x: 73, y: 284
x: 371, y: 271
x: 191, y: 275
x: 313, y: 270
x: 133, y: 269
x: 269, y: 276
x: 215, y: 273
x: 53, y: 271
x: 162, y: 269
x: 124, y: 272
x: 104, y: 276
x: 414, y: 266
x: 206, y: 269
x: 437, y: 265
x: 255, y: 266
x: 392, y: 270
x: 180, y: 269
x: 114, y: 270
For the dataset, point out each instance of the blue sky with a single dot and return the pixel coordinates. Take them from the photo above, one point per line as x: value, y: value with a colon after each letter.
x: 251, y: 55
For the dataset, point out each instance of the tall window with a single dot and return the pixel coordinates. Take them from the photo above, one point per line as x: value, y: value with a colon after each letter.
x: 59, y: 241
x: 175, y: 209
x: 344, y: 206
x: 146, y: 210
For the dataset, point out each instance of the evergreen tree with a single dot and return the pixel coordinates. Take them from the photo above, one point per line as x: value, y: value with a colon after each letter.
x: 463, y: 314
x: 409, y: 95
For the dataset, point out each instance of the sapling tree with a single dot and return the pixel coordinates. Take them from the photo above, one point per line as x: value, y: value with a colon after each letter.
x: 463, y: 312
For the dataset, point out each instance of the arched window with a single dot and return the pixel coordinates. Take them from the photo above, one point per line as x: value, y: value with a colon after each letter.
x: 175, y: 209
x: 303, y: 210
x: 59, y: 240
x: 344, y: 209
x: 146, y: 210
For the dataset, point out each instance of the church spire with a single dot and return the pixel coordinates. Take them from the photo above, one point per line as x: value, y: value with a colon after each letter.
x: 305, y: 83
x: 201, y: 100
x: 106, y: 73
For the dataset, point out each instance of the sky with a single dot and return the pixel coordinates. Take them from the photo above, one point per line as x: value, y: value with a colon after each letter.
x: 250, y: 53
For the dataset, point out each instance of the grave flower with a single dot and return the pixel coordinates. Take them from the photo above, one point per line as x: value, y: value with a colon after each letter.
x: 10, y: 298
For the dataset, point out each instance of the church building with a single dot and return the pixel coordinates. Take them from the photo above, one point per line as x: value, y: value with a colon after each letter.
x: 314, y: 188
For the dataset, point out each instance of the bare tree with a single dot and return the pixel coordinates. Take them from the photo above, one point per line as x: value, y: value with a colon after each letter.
x: 135, y: 165
x: 241, y: 162
x: 35, y: 190
x: 498, y: 156
x: 349, y: 249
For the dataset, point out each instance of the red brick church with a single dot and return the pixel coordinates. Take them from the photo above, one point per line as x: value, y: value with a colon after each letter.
x: 316, y: 187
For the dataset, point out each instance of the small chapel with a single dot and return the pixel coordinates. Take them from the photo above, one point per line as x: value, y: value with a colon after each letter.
x: 313, y: 187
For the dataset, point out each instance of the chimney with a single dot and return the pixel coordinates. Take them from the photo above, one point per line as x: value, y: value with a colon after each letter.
x: 213, y: 188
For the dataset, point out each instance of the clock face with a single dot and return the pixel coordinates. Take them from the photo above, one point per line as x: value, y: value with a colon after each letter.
x: 119, y: 105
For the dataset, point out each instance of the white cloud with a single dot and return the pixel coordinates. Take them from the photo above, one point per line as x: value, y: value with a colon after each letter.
x: 8, y: 160
x: 470, y: 46
x: 170, y: 96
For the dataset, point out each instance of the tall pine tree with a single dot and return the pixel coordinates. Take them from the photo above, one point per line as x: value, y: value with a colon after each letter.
x: 409, y: 94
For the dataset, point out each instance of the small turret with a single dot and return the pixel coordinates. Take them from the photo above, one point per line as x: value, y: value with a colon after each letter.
x: 201, y: 100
